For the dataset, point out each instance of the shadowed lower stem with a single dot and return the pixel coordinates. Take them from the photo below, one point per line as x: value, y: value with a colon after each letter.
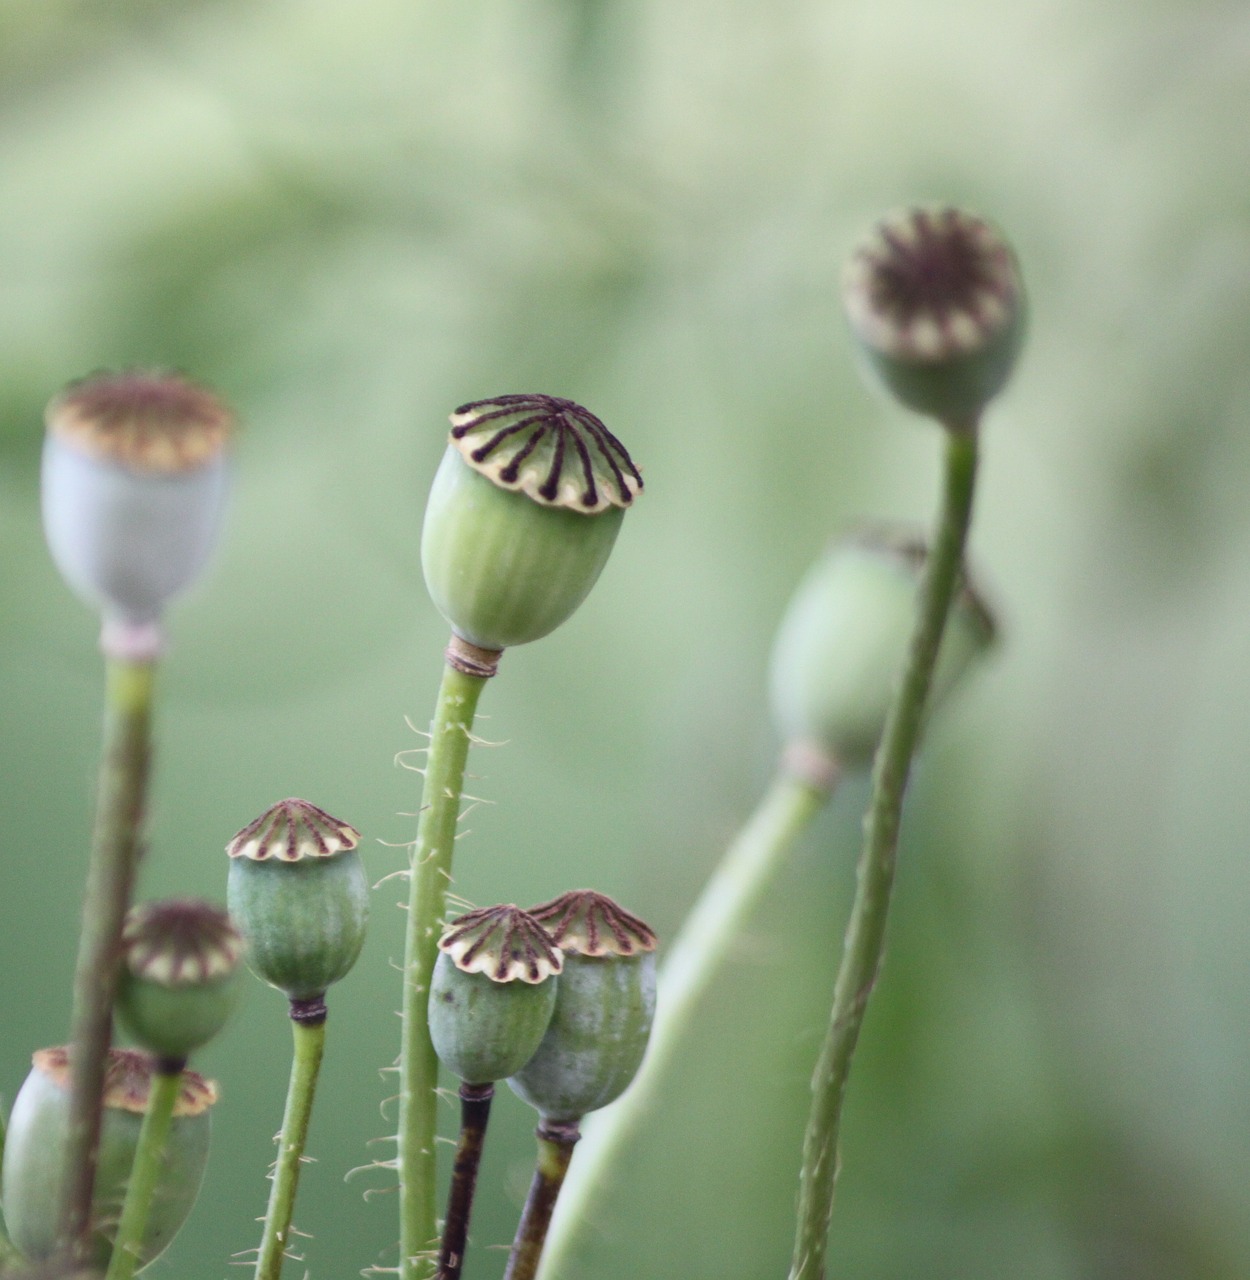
x: 475, y: 1100
x: 450, y: 736
x: 693, y: 960
x: 556, y: 1140
x: 110, y: 880
x: 308, y: 1028
x: 865, y: 936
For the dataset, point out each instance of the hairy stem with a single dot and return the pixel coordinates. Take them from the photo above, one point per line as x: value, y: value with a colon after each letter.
x: 145, y: 1172
x: 475, y: 1102
x: 308, y: 1027
x: 110, y: 880
x: 555, y: 1149
x: 864, y: 944
x: 693, y: 960
x: 450, y: 733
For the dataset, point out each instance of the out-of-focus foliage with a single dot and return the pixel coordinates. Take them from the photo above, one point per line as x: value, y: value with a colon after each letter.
x: 351, y: 217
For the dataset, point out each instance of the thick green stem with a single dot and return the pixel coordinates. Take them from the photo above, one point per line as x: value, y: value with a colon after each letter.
x: 692, y: 961
x: 450, y: 735
x: 865, y: 936
x: 110, y: 880
x: 555, y: 1149
x: 144, y: 1173
x: 309, y: 1031
x: 475, y: 1100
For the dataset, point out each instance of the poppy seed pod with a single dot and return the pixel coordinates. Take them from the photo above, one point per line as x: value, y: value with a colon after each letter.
x: 134, y: 484
x: 180, y: 975
x: 523, y: 513
x: 34, y: 1164
x: 842, y: 642
x: 935, y: 298
x: 298, y: 892
x: 493, y: 992
x: 605, y: 1003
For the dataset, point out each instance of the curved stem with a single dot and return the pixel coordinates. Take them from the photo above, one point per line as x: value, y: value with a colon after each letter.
x: 110, y: 880
x: 144, y: 1173
x: 475, y: 1102
x: 309, y: 1036
x: 450, y: 730
x: 693, y: 960
x: 555, y: 1149
x: 865, y: 936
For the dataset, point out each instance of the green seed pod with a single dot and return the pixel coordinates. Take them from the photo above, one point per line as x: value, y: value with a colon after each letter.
x: 297, y: 890
x: 180, y: 975
x: 605, y: 1004
x: 843, y: 640
x: 134, y: 487
x: 34, y: 1154
x: 522, y: 516
x: 935, y: 298
x: 493, y: 992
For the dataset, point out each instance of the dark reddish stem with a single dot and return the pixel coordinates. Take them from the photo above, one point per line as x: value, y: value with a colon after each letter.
x: 475, y: 1102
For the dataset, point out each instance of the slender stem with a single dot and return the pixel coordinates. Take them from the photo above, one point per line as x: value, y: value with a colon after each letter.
x: 431, y: 874
x: 693, y: 960
x: 864, y: 945
x: 110, y: 879
x: 145, y: 1172
x: 309, y: 1032
x: 474, y: 1114
x: 555, y: 1149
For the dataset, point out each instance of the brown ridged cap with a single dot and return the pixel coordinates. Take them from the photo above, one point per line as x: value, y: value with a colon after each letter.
x: 586, y: 923
x: 291, y: 830
x: 180, y: 942
x: 128, y: 1080
x: 504, y: 942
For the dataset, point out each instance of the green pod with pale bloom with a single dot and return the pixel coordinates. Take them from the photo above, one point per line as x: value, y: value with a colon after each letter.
x: 605, y: 1004
x: 298, y: 892
x: 522, y: 516
x: 493, y: 992
x: 842, y: 643
x: 134, y: 481
x: 180, y: 975
x: 935, y: 298
x: 34, y: 1167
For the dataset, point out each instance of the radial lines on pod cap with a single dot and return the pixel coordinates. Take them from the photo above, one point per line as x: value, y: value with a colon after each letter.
x: 291, y: 830
x: 553, y: 450
x: 585, y: 923
x: 504, y: 943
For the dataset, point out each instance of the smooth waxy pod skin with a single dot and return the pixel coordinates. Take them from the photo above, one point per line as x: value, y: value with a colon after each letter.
x: 935, y: 298
x: 843, y: 640
x: 33, y: 1174
x: 604, y: 1008
x: 298, y: 892
x: 180, y: 975
x: 134, y: 486
x: 493, y: 993
x: 522, y: 516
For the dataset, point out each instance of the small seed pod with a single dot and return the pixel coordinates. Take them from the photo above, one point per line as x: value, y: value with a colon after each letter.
x: 605, y: 1003
x: 935, y: 298
x: 843, y: 640
x: 492, y: 994
x: 297, y: 890
x: 522, y: 516
x: 180, y: 975
x: 34, y: 1154
x: 134, y: 489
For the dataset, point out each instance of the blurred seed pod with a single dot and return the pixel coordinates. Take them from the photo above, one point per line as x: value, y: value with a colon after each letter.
x: 298, y: 892
x: 34, y: 1154
x: 935, y: 298
x: 605, y: 1004
x: 522, y: 516
x: 493, y: 992
x: 134, y: 483
x: 180, y: 975
x: 841, y: 645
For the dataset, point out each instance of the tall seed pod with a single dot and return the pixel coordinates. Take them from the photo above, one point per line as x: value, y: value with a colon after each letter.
x: 34, y: 1154
x: 935, y: 298
x: 298, y: 891
x: 134, y: 487
x: 843, y: 641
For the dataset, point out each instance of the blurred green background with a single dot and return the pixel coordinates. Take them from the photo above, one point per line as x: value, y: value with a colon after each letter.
x: 349, y: 217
